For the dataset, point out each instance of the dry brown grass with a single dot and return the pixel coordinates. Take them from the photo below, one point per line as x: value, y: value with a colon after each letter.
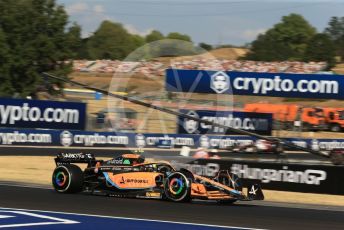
x: 221, y: 53
x: 339, y: 69
x: 38, y: 170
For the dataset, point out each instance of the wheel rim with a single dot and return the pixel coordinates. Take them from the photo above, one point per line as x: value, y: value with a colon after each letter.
x: 61, y: 179
x: 177, y: 187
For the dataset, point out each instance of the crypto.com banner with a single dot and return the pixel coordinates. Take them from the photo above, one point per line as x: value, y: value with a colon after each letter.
x: 256, y: 84
x: 77, y: 138
x: 21, y: 113
x: 260, y: 123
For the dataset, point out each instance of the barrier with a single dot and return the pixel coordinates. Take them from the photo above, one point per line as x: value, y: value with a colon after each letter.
x: 275, y: 176
x: 257, y: 84
x: 77, y: 138
x: 278, y: 176
x: 260, y: 123
x: 21, y: 113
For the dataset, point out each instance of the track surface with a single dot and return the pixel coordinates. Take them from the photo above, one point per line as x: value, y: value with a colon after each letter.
x: 250, y: 215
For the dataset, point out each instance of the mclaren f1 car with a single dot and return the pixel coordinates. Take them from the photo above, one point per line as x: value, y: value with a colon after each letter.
x: 129, y: 175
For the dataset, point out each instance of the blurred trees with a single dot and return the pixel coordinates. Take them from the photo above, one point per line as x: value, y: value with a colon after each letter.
x: 205, y: 46
x: 34, y: 38
x: 321, y: 48
x: 179, y: 36
x: 295, y: 39
x: 287, y: 40
x: 112, y: 41
x: 154, y: 36
x: 74, y: 40
x: 335, y: 30
x: 5, y: 86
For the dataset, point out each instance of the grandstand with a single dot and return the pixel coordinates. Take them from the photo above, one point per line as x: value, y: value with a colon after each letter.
x: 156, y: 68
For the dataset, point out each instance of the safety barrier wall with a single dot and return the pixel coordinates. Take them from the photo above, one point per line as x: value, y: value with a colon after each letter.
x: 40, y: 137
x: 275, y: 176
x: 260, y: 123
x: 22, y: 113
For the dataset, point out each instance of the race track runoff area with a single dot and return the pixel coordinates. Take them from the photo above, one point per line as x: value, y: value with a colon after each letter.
x: 21, y: 210
x: 36, y: 220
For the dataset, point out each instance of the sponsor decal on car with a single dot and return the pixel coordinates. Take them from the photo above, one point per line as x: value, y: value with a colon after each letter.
x: 119, y: 161
x: 77, y: 155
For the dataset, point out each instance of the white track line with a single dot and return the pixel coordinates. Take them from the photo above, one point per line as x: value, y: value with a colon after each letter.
x: 135, y: 219
x: 25, y: 213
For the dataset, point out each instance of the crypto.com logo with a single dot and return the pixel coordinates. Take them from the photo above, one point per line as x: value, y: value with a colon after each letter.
x: 219, y: 82
x: 66, y: 138
x: 191, y: 126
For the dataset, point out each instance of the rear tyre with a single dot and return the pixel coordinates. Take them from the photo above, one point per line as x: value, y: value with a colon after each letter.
x: 177, y: 187
x: 67, y: 179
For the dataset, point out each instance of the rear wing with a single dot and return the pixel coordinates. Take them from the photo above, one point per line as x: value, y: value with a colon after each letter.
x: 68, y: 158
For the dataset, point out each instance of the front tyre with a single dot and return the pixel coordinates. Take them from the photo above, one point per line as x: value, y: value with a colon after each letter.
x: 67, y: 179
x: 177, y: 187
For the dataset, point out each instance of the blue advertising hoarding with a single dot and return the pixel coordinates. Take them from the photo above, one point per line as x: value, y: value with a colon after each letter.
x: 256, y: 84
x: 74, y: 138
x: 22, y: 113
x: 260, y: 123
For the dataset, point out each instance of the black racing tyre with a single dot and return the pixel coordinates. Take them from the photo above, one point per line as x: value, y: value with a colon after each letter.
x: 67, y: 179
x: 177, y: 187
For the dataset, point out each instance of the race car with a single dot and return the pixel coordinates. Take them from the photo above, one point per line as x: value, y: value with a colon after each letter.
x: 260, y: 146
x: 130, y: 175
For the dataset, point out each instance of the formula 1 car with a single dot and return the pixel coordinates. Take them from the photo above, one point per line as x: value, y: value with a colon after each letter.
x: 260, y: 146
x: 129, y: 175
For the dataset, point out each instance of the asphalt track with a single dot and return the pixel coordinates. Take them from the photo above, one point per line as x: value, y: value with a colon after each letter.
x: 242, y: 214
